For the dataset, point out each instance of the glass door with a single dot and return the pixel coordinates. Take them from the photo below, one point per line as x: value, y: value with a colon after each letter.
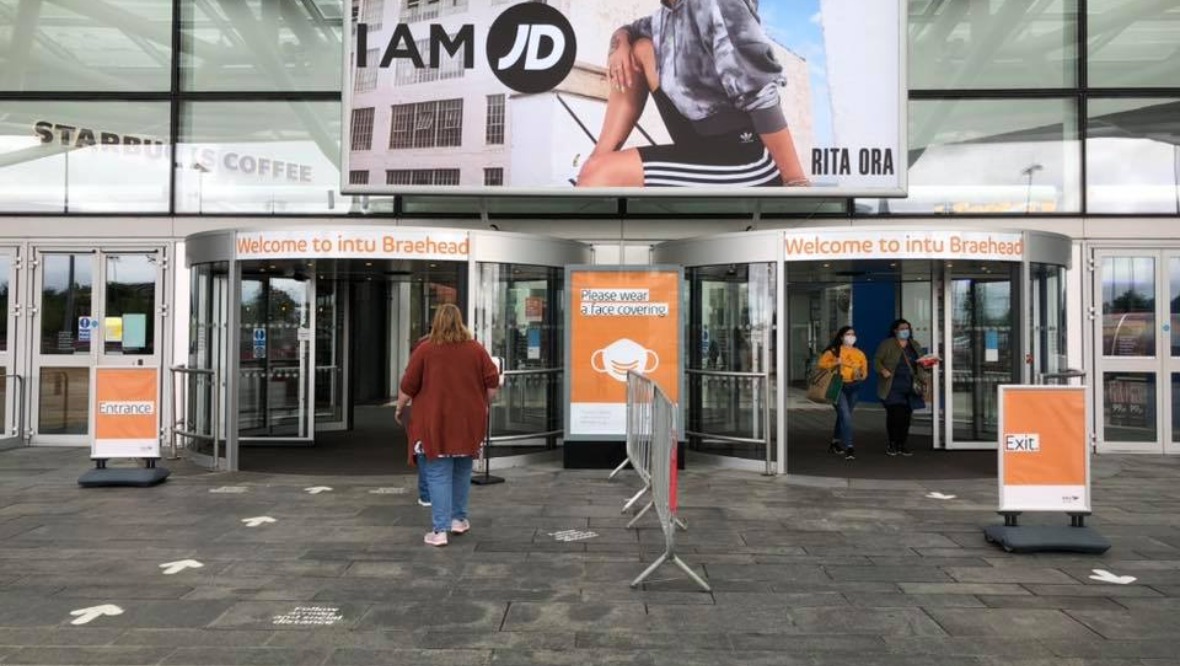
x: 331, y: 351
x: 131, y: 298
x: 12, y: 390
x: 65, y: 322
x: 92, y: 308
x: 202, y: 390
x: 731, y: 365
x: 982, y: 348
x: 1171, y: 306
x: 276, y: 356
x: 519, y: 319
x: 1133, y: 343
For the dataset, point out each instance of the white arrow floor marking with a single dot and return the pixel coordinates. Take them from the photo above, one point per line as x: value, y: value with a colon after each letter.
x: 572, y: 535
x: 389, y: 491
x: 85, y: 615
x: 940, y: 496
x: 232, y: 490
x: 257, y: 520
x: 316, y: 490
x: 1104, y: 576
x: 180, y: 565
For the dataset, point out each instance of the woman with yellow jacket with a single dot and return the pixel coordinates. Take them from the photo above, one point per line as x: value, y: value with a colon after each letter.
x: 854, y: 369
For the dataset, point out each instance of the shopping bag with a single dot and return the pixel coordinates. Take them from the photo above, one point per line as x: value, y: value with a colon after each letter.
x: 835, y: 388
x: 823, y: 386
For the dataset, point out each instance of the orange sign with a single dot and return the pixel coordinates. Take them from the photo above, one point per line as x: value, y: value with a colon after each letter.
x: 619, y: 321
x: 1044, y: 449
x: 126, y: 413
x: 353, y: 243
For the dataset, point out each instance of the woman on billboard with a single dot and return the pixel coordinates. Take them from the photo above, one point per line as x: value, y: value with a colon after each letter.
x: 712, y: 73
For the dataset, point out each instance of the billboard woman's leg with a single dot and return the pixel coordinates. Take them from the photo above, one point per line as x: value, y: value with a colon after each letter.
x: 607, y: 166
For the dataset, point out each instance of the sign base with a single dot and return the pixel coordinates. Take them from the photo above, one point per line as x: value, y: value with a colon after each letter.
x: 136, y: 477
x: 1046, y: 539
x: 486, y: 480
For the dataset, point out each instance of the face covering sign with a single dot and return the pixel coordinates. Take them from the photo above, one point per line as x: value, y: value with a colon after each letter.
x: 618, y: 320
x: 623, y: 97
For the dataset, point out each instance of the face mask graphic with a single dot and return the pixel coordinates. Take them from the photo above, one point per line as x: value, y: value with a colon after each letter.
x: 622, y: 355
x: 903, y: 334
x: 850, y: 340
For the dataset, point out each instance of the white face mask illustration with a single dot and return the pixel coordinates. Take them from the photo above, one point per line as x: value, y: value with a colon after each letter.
x: 623, y: 355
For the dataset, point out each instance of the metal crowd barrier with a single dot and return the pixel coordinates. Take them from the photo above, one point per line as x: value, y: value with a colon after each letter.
x: 652, y: 445
x: 512, y: 379
x: 1063, y: 377
x: 761, y: 406
x: 181, y: 428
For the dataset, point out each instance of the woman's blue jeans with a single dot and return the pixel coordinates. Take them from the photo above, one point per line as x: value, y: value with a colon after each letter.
x: 449, y: 480
x: 423, y: 488
x: 844, y: 406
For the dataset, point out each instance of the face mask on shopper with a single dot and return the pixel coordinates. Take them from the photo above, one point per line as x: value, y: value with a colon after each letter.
x: 903, y: 334
x: 849, y: 340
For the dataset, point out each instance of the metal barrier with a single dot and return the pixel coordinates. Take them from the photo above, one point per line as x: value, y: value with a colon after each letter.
x: 761, y: 406
x: 1063, y: 377
x: 512, y: 380
x: 652, y: 445
x: 181, y: 427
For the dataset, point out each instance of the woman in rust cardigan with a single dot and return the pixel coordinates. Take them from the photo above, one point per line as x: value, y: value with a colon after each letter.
x: 451, y: 380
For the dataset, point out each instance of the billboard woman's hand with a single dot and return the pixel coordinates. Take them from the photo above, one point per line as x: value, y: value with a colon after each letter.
x: 621, y: 63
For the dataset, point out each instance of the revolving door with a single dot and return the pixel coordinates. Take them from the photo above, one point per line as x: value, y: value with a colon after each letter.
x: 285, y: 350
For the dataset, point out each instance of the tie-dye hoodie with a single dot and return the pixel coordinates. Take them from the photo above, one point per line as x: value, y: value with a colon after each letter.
x: 716, y: 64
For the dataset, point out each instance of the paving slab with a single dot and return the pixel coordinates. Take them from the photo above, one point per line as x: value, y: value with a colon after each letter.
x: 1010, y: 624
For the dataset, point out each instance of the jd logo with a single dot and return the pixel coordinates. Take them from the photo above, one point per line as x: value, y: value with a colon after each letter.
x: 531, y: 47
x: 1023, y: 443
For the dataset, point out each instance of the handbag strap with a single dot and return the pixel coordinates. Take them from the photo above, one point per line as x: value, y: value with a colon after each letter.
x: 905, y: 354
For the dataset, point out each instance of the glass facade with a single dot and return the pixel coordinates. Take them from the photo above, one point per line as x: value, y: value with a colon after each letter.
x: 1049, y: 108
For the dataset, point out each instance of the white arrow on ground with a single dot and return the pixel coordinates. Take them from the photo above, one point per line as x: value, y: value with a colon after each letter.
x: 180, y: 565
x: 257, y: 520
x: 316, y: 490
x: 229, y: 489
x: 85, y: 615
x: 1104, y: 576
x: 940, y: 496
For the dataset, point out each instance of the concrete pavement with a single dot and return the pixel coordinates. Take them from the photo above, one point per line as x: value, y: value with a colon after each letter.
x: 804, y: 571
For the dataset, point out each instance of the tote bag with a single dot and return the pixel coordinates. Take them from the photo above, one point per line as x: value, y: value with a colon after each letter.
x: 824, y: 386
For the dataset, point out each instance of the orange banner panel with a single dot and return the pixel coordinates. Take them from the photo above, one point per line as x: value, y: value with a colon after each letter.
x: 621, y: 321
x: 127, y: 404
x: 1044, y: 437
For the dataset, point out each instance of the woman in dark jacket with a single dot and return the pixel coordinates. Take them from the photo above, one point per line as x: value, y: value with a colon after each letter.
x: 451, y: 380
x: 896, y: 362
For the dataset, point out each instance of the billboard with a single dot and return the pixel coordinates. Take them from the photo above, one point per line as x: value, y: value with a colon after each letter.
x: 618, y: 320
x: 617, y: 97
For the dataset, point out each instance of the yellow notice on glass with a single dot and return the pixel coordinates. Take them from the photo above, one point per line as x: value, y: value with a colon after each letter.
x: 113, y: 329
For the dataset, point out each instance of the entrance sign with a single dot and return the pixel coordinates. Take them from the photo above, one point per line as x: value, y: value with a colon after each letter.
x: 511, y: 98
x: 353, y: 243
x: 619, y: 319
x: 1044, y: 449
x: 890, y: 244
x: 126, y: 413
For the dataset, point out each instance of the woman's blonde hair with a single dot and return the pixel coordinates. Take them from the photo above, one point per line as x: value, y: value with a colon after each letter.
x: 448, y: 326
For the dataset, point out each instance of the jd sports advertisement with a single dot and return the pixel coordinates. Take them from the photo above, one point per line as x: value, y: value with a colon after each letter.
x: 567, y: 97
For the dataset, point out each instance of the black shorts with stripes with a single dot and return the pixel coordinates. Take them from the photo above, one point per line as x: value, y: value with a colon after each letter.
x: 734, y: 159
